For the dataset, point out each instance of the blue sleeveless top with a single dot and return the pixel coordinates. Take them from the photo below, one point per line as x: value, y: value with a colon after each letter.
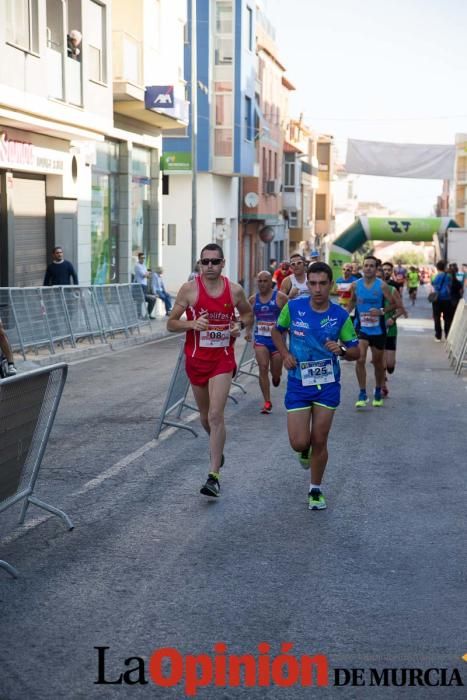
x: 369, y: 298
x: 266, y: 315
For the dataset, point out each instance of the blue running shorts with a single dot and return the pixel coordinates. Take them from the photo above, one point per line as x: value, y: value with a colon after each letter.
x: 266, y: 343
x: 298, y: 397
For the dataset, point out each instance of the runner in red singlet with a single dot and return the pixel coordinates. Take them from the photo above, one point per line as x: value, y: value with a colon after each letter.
x: 210, y: 301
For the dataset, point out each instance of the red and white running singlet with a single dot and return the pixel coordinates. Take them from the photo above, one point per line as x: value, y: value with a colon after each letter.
x: 215, y: 341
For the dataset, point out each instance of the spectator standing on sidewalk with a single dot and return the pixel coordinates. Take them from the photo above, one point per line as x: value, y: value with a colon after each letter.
x: 141, y: 277
x: 60, y: 271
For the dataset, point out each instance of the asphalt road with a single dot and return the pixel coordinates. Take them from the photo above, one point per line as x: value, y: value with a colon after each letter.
x: 378, y: 580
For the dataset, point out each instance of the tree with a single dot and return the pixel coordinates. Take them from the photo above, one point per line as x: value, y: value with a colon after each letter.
x: 410, y: 258
x: 366, y: 249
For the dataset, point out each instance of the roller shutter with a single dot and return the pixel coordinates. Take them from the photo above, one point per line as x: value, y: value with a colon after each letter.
x: 29, y: 231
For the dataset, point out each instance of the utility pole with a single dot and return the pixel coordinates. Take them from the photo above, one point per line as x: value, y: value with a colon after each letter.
x: 194, y: 135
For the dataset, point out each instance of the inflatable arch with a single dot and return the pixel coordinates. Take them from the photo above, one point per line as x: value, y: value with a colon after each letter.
x: 367, y: 228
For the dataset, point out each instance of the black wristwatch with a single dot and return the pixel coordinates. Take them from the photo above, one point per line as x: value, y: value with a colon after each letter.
x: 242, y: 325
x: 343, y: 351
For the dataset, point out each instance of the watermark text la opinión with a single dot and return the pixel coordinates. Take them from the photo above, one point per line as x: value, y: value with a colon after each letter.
x: 167, y: 667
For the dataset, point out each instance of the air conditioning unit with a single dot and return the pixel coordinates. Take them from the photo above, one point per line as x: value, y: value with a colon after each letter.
x: 271, y: 186
x: 220, y: 232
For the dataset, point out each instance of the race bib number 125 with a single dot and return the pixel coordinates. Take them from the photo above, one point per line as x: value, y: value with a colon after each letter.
x: 317, y: 372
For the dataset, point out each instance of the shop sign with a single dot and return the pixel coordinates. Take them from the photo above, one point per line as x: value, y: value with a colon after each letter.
x: 176, y: 161
x: 159, y: 97
x: 23, y: 155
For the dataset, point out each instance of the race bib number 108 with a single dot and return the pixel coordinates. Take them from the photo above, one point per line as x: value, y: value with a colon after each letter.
x: 215, y: 337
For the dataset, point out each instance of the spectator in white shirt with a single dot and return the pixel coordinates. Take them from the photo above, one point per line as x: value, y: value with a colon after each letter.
x: 141, y: 277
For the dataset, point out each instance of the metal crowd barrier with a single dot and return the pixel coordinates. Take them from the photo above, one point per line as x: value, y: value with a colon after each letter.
x: 36, y: 317
x: 456, y: 342
x: 28, y: 406
x: 246, y: 365
x: 175, y: 400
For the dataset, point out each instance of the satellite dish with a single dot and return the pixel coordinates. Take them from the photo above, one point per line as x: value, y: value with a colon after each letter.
x: 251, y: 199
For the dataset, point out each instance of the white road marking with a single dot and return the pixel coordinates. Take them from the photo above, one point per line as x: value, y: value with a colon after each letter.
x: 98, y: 480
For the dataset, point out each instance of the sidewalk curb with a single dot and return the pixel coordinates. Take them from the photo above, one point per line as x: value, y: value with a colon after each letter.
x: 98, y: 349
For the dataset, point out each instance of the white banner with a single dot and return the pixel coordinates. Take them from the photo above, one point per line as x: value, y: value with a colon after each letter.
x: 427, y: 161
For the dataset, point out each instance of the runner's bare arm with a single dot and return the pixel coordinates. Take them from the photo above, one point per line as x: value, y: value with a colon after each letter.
x: 286, y: 286
x: 352, y: 300
x: 243, y: 306
x: 400, y: 309
x: 395, y: 302
x: 183, y: 300
x: 281, y: 299
x: 278, y: 339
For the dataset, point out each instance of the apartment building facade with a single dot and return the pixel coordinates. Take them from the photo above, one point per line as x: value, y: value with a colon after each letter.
x: 300, y: 185
x: 324, y: 215
x: 148, y: 99
x: 345, y: 198
x: 458, y: 188
x: 54, y: 106
x: 263, y: 232
x: 225, y: 141
x: 74, y: 172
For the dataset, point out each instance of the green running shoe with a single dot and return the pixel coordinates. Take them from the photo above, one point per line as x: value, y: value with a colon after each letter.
x: 362, y: 399
x: 316, y: 500
x: 304, y: 457
x: 378, y: 399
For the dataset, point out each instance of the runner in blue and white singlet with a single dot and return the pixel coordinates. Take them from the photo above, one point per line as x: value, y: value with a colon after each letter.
x: 266, y: 315
x: 267, y: 305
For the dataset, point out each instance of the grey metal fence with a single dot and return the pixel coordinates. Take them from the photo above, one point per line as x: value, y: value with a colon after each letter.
x: 83, y: 315
x: 175, y: 401
x: 456, y: 343
x: 246, y: 365
x: 36, y: 317
x: 28, y: 406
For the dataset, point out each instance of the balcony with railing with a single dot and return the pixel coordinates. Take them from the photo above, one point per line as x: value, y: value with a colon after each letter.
x: 64, y: 76
x: 127, y: 66
x: 130, y: 93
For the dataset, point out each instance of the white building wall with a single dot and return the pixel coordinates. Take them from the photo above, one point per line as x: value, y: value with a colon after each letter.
x: 217, y: 199
x: 345, y: 207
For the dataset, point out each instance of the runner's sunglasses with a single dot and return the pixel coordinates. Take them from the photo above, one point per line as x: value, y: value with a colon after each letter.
x: 214, y: 261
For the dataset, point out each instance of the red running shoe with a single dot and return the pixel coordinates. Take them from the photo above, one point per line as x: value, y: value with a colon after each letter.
x: 384, y: 390
x: 267, y: 408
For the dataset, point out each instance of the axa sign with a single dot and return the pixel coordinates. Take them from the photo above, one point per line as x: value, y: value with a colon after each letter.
x: 159, y: 97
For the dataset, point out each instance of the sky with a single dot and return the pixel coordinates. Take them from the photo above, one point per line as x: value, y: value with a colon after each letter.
x: 378, y: 70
